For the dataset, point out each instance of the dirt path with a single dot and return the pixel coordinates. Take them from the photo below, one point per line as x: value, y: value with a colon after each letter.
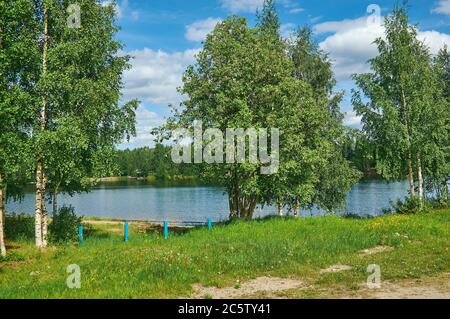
x: 425, y: 288
x: 272, y: 287
x: 268, y: 285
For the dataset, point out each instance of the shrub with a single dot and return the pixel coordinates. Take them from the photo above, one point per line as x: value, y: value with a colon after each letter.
x: 64, y: 226
x: 407, y: 206
x: 19, y: 227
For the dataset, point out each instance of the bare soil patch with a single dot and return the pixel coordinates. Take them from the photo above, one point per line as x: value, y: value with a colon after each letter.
x: 424, y: 288
x: 375, y: 250
x: 336, y: 268
x: 258, y: 285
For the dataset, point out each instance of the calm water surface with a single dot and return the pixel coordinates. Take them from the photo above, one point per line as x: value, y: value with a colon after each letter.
x: 144, y: 201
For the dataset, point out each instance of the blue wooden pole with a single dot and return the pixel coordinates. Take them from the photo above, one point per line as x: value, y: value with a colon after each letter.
x: 125, y: 231
x: 209, y: 223
x: 166, y: 230
x: 80, y: 234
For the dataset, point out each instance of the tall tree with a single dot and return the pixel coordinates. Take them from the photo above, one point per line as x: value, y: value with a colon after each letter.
x: 268, y: 20
x: 17, y: 64
x: 335, y: 176
x: 244, y: 78
x: 80, y: 117
x: 439, y: 173
x: 403, y: 107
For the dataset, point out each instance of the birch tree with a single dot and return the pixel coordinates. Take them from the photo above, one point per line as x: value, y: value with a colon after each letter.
x: 405, y: 112
x: 17, y: 62
x: 80, y: 80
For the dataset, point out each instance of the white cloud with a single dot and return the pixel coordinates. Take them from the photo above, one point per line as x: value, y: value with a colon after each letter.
x: 434, y: 40
x: 198, y: 30
x: 296, y: 10
x: 145, y: 122
x: 352, y: 120
x: 155, y: 75
x: 351, y: 43
x: 442, y: 7
x: 242, y: 5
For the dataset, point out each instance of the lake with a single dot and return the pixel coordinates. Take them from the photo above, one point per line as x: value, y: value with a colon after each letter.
x: 186, y: 202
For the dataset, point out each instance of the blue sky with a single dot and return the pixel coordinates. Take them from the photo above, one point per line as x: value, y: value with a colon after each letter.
x: 163, y: 36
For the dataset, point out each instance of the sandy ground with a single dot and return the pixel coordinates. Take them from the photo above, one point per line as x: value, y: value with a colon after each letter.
x: 272, y: 287
x: 425, y: 288
x: 262, y: 284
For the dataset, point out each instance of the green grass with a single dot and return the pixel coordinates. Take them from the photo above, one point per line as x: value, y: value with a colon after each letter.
x: 150, y: 267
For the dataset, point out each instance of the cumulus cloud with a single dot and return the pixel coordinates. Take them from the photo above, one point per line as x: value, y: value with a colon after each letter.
x: 351, y: 43
x: 145, y: 122
x: 155, y: 75
x: 352, y: 120
x: 442, y: 7
x: 434, y: 40
x: 198, y: 30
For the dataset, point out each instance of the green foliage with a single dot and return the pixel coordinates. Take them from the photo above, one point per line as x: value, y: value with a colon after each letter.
x: 407, y: 206
x: 404, y: 112
x: 268, y: 21
x: 155, y: 162
x: 360, y: 151
x: 249, y: 78
x: 82, y: 87
x: 19, y: 227
x: 64, y: 226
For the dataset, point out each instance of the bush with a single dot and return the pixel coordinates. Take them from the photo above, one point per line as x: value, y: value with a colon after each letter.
x: 19, y: 227
x: 407, y: 206
x: 64, y: 226
x: 439, y: 203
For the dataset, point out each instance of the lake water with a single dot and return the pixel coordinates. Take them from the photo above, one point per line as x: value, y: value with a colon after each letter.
x: 157, y: 202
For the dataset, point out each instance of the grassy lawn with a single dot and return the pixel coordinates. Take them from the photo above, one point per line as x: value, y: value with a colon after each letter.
x: 150, y: 267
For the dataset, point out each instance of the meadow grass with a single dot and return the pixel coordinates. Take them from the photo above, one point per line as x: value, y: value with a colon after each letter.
x: 150, y: 267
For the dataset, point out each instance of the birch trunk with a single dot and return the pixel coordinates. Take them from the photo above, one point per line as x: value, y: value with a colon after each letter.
x: 296, y: 209
x: 446, y: 188
x: 40, y: 187
x: 280, y: 210
x: 420, y: 180
x: 2, y: 217
x: 2, y: 198
x: 55, y: 202
x: 412, y: 190
x: 425, y: 190
x: 38, y: 211
x: 44, y: 213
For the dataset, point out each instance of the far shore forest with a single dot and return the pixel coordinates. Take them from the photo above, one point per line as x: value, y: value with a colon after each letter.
x: 62, y: 114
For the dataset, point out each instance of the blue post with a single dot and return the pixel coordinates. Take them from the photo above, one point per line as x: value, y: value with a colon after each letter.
x: 80, y: 234
x: 209, y: 223
x: 166, y: 230
x: 125, y: 231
